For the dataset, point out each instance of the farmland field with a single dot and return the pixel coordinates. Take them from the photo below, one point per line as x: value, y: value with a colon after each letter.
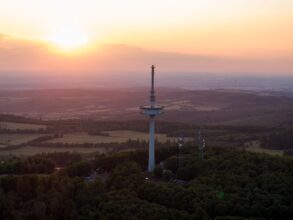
x: 20, y: 126
x: 71, y: 138
x: 114, y: 136
x: 15, y: 139
x: 28, y: 150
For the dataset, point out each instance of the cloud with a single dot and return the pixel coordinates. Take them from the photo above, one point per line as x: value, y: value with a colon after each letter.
x: 21, y: 55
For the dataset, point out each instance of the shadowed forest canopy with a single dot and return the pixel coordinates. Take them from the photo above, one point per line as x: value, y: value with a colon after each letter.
x: 227, y: 185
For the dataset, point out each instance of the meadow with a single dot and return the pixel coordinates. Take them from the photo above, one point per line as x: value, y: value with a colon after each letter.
x: 114, y: 137
x: 121, y: 136
x: 16, y: 139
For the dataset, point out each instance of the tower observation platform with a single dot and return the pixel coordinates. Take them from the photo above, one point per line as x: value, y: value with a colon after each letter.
x: 152, y: 110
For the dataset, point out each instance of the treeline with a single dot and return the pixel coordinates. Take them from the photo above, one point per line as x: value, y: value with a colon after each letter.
x: 217, y: 130
x: 280, y: 140
x: 34, y: 142
x: 111, y: 147
x: 61, y: 159
x: 19, y: 119
x: 92, y: 126
x: 109, y: 162
x: 44, y: 138
x: 128, y: 144
x: 226, y: 185
x: 25, y: 131
x: 30, y: 165
x: 188, y: 130
x: 44, y: 163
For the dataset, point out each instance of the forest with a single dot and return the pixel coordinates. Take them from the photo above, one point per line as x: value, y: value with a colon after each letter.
x: 228, y: 184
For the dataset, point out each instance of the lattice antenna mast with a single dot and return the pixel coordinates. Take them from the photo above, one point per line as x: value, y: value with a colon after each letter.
x: 180, y: 144
x: 202, y: 143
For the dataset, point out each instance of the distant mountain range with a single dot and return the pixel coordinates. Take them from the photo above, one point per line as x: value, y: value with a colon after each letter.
x: 21, y: 55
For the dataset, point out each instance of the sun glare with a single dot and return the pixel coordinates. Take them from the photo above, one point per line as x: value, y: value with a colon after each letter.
x: 68, y: 39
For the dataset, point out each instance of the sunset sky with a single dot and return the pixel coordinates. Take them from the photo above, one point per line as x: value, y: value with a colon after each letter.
x: 189, y: 35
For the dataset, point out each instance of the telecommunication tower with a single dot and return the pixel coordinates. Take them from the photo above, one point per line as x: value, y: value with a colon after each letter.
x: 152, y: 111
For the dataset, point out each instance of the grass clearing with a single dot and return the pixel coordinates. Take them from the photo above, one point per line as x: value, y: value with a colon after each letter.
x: 254, y: 146
x: 114, y: 136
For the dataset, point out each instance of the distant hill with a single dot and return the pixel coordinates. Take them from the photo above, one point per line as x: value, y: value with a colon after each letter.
x: 232, y: 107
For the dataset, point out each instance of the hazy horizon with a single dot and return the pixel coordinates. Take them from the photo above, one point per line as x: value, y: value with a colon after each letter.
x: 199, y: 36
x: 20, y: 80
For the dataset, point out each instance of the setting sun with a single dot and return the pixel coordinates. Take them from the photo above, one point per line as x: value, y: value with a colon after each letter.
x: 238, y: 35
x: 68, y: 39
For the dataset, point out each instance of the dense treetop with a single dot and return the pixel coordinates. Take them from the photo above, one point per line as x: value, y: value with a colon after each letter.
x: 227, y: 185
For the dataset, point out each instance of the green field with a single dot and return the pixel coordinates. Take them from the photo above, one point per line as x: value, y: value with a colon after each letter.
x: 15, y: 139
x: 254, y: 146
x: 114, y: 136
x: 21, y: 126
x: 71, y: 138
x: 28, y: 151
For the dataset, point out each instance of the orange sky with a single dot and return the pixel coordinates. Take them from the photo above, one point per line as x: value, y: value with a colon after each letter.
x: 201, y: 35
